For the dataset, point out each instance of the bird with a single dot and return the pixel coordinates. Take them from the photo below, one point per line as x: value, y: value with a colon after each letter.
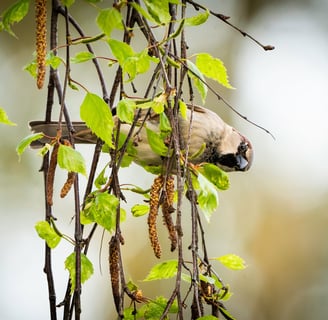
x: 211, y: 139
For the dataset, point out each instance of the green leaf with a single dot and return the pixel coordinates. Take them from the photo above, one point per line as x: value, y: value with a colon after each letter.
x: 164, y: 123
x: 101, y: 208
x: 23, y: 144
x: 52, y: 60
x: 108, y: 20
x: 186, y: 277
x: 82, y: 57
x: 198, y: 79
x: 153, y: 310
x: 215, y: 175
x: 156, y: 143
x: 144, y: 60
x: 71, y: 160
x: 232, y: 261
x: 210, y: 317
x: 159, y: 10
x: 4, y: 118
x: 125, y: 110
x: 31, y: 68
x: 14, y: 14
x: 208, y: 199
x: 139, y: 210
x: 121, y: 50
x: 163, y: 270
x: 101, y: 179
x: 227, y: 315
x: 86, y: 268
x: 213, y: 68
x: 183, y: 109
x: 98, y: 117
x: 67, y: 3
x: 143, y: 12
x: 197, y: 20
x: 132, y: 63
x: 47, y: 233
x: 131, y: 313
x: 207, y: 279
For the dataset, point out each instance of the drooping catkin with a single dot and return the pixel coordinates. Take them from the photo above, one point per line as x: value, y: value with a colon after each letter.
x: 167, y: 210
x: 114, y: 270
x: 68, y: 184
x: 41, y: 40
x: 51, y: 174
x: 152, y: 216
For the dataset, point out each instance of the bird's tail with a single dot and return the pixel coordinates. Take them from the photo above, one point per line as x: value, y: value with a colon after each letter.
x: 80, y: 132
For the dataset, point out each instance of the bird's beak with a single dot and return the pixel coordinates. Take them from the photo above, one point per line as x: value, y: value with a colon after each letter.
x: 242, y: 163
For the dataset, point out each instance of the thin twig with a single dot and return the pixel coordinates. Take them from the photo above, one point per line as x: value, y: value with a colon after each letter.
x: 225, y: 18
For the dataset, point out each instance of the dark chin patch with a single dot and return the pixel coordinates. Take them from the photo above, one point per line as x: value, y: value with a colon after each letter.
x: 229, y: 160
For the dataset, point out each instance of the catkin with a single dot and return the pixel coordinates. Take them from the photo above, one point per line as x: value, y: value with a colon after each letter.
x: 51, y: 174
x: 167, y: 210
x: 114, y: 270
x: 41, y: 40
x: 152, y: 217
x: 68, y: 184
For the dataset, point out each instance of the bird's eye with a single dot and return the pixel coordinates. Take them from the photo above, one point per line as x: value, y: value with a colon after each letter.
x: 243, y: 147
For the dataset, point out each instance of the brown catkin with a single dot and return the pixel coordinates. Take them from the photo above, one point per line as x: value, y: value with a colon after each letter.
x: 41, y: 40
x: 115, y: 270
x: 51, y: 174
x: 68, y: 184
x: 152, y: 217
x: 167, y: 210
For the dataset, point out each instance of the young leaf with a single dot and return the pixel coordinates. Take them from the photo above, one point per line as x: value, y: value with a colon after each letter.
x: 125, y: 110
x: 68, y: 3
x: 53, y: 60
x: 121, y: 50
x: 197, y: 20
x: 226, y: 314
x: 13, y: 14
x: 47, y: 233
x: 139, y: 210
x: 159, y: 10
x: 153, y: 310
x: 144, y: 60
x: 108, y: 20
x: 215, y: 175
x: 163, y: 270
x: 232, y: 261
x: 86, y: 268
x: 164, y: 123
x: 31, y: 68
x: 82, y: 57
x: 183, y: 109
x: 210, y: 317
x: 143, y: 12
x: 101, y: 179
x: 101, y: 208
x: 4, y: 118
x: 98, y: 117
x: 198, y: 79
x: 71, y: 160
x: 27, y: 141
x: 208, y: 197
x: 213, y: 68
x: 156, y: 143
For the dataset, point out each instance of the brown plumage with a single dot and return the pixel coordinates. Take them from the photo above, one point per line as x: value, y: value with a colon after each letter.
x: 223, y: 145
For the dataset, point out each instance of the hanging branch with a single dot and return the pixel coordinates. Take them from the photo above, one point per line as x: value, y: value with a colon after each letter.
x: 225, y: 19
x: 173, y: 135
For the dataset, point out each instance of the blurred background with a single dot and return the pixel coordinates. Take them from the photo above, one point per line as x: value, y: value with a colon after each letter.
x: 274, y: 216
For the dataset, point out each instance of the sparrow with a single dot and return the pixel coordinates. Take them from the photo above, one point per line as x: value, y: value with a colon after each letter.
x: 210, y: 138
